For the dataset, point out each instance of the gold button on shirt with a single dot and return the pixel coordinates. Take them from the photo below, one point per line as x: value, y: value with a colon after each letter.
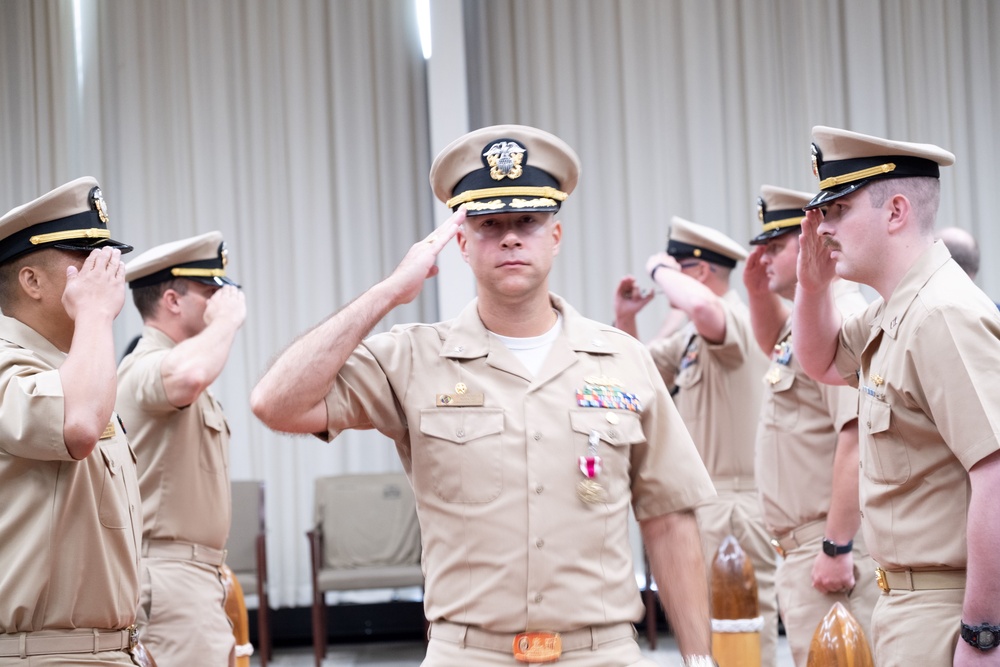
x: 508, y: 544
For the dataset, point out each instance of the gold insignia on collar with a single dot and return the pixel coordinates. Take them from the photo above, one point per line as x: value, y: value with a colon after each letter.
x: 602, y: 381
x: 877, y: 380
x: 460, y: 388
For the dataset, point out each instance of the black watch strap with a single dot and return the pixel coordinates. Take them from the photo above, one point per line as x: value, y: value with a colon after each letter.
x: 984, y: 637
x: 831, y: 548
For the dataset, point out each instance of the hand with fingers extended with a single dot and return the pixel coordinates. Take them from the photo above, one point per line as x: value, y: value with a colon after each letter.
x: 815, y: 269
x: 755, y: 273
x: 229, y: 304
x: 420, y: 262
x: 97, y: 288
x: 661, y: 260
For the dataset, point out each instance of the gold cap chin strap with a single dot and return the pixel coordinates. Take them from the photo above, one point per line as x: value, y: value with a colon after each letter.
x: 198, y: 273
x: 784, y: 222
x: 52, y: 237
x: 827, y: 183
x: 525, y: 191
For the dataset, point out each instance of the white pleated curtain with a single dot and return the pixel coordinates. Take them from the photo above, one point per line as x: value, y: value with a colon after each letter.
x: 299, y: 129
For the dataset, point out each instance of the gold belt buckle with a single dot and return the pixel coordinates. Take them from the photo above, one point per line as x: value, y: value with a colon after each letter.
x: 537, y: 647
x: 883, y: 583
x: 777, y: 546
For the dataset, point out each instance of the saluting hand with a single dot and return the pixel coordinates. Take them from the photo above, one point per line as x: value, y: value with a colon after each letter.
x: 630, y: 298
x: 815, y: 268
x: 661, y: 258
x: 97, y: 288
x: 420, y: 262
x: 755, y: 273
x: 228, y: 303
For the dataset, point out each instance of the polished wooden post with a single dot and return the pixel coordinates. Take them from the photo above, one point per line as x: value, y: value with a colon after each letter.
x: 736, y: 620
x: 236, y: 610
x: 839, y: 641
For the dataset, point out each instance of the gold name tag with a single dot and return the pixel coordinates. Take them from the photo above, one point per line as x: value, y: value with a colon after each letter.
x: 109, y: 430
x: 537, y: 647
x: 459, y: 400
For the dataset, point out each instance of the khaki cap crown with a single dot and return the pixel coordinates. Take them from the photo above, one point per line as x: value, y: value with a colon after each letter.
x: 202, y: 258
x: 504, y: 169
x: 689, y: 239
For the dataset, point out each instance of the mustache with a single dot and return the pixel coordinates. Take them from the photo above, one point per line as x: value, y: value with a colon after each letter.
x: 831, y: 243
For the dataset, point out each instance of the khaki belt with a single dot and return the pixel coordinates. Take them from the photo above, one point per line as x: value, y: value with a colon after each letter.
x: 736, y: 483
x: 921, y: 580
x: 53, y: 642
x: 503, y: 642
x: 183, y: 551
x: 804, y: 534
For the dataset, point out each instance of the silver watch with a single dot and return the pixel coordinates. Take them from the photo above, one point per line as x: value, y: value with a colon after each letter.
x: 699, y: 661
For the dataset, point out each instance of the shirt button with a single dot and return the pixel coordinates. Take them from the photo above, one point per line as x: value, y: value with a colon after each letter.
x: 868, y: 424
x: 539, y: 543
x: 460, y: 433
x: 538, y: 597
x: 539, y: 488
x: 537, y: 436
x: 613, y: 434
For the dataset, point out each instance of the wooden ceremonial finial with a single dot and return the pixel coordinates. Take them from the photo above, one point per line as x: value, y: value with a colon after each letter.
x: 236, y: 610
x: 839, y: 641
x: 736, y: 620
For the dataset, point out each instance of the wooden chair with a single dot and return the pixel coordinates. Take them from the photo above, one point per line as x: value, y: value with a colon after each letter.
x: 247, y: 555
x: 365, y: 536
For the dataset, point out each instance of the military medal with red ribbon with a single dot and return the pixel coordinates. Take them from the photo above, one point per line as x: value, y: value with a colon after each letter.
x: 589, y: 489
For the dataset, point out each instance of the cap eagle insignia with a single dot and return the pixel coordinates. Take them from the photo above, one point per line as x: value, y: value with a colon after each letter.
x: 504, y: 159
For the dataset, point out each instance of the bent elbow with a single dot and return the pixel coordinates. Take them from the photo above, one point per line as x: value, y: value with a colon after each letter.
x: 80, y: 437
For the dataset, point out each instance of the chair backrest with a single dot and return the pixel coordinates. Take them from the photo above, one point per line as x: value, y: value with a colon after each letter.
x: 367, y: 520
x: 247, y: 524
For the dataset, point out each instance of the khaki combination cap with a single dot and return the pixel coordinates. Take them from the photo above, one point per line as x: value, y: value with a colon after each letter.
x: 505, y: 169
x: 845, y: 161
x: 780, y: 211
x: 202, y: 258
x: 74, y: 216
x: 688, y: 239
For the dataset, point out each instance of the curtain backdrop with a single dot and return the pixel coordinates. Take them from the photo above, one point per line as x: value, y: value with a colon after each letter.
x: 299, y: 129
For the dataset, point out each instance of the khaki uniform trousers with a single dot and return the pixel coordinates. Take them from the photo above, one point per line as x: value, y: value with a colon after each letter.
x: 102, y: 659
x: 803, y: 607
x: 182, y: 614
x: 738, y: 513
x: 917, y: 627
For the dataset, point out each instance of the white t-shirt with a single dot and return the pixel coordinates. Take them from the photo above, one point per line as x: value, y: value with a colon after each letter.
x: 532, y: 351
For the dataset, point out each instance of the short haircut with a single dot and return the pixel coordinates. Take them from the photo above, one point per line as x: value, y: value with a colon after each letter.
x: 923, y: 192
x: 9, y: 285
x: 147, y: 299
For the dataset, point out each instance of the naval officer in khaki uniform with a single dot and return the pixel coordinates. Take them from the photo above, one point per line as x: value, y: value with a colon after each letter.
x: 807, y: 443
x: 526, y: 429
x: 929, y: 408
x: 70, y: 519
x: 715, y: 367
x: 191, y: 312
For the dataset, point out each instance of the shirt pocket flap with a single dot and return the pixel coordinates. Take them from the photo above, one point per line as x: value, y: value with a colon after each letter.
x: 213, y: 419
x: 879, y: 416
x: 461, y: 425
x: 626, y: 429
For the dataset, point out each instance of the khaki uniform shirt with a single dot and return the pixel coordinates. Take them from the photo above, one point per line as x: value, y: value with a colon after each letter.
x: 69, y: 530
x: 719, y: 390
x: 508, y: 544
x: 929, y: 410
x: 799, y: 425
x: 183, y: 453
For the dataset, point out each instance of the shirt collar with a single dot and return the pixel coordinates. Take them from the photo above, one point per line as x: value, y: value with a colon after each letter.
x: 890, y: 316
x: 468, y: 338
x: 20, y: 334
